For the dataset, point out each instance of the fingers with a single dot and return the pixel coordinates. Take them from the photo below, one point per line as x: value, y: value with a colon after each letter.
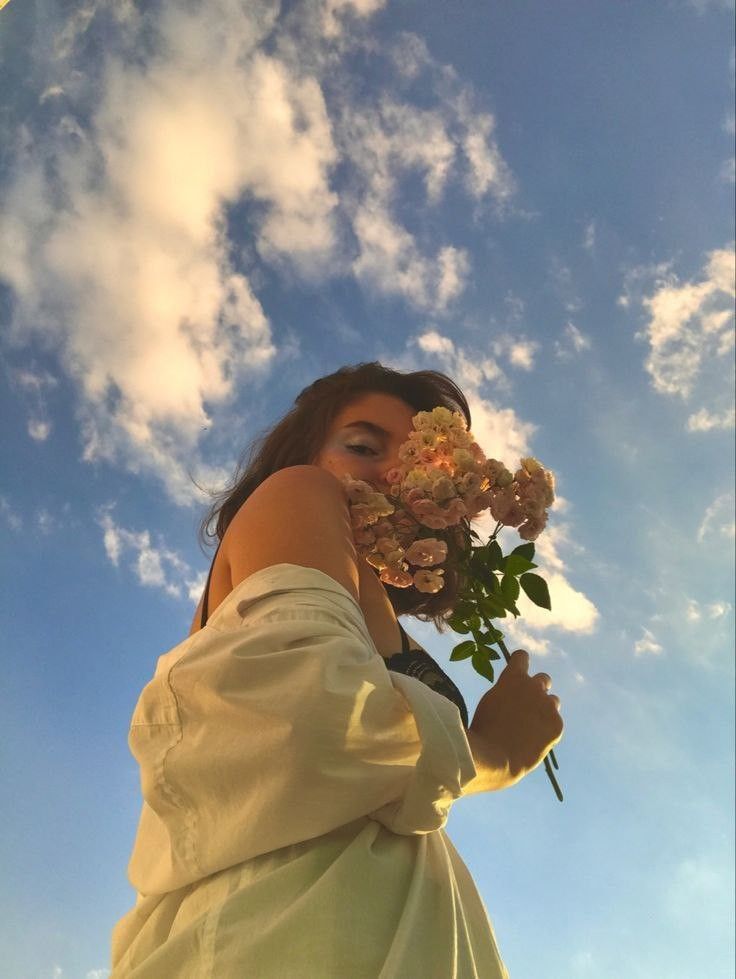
x: 544, y: 679
x: 519, y: 660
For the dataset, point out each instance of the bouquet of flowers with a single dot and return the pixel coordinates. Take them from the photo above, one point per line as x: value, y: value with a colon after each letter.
x: 444, y: 481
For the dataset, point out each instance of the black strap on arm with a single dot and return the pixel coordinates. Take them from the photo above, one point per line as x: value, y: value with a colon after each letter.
x: 207, y: 590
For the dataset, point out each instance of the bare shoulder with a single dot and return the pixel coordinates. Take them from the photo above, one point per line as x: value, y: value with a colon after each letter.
x: 298, y: 515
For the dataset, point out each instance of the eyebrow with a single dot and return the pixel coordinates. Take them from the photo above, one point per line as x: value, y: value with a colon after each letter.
x: 370, y: 427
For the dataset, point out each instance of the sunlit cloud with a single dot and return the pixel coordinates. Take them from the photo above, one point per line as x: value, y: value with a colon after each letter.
x: 153, y: 566
x: 33, y: 386
x: 332, y: 21
x: 718, y: 520
x: 705, y: 421
x: 647, y: 645
x: 114, y: 233
x: 572, y: 342
x: 690, y: 332
x: 519, y: 350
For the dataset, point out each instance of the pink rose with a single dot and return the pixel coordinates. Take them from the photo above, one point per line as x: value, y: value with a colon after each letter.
x: 429, y: 581
x: 426, y: 551
x: 396, y: 577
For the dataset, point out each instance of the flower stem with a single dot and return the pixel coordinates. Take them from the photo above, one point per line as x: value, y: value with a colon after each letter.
x: 551, y: 756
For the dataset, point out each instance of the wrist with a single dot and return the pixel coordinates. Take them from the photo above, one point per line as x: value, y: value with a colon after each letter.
x: 492, y: 767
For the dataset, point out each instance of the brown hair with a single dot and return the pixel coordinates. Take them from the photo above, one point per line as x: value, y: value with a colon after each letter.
x: 299, y: 436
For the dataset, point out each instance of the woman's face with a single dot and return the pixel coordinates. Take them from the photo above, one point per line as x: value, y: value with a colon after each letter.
x: 363, y: 451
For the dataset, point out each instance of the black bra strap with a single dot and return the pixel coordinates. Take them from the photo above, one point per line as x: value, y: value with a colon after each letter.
x: 207, y: 590
x: 404, y: 640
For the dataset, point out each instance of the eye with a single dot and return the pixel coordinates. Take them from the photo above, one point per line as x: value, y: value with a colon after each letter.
x: 361, y: 448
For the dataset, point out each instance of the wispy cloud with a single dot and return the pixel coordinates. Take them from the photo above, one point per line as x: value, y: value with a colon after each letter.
x: 589, y: 237
x: 572, y: 343
x: 647, y: 645
x: 10, y: 515
x: 718, y: 520
x: 690, y: 332
x: 694, y: 611
x: 519, y: 350
x: 563, y: 284
x: 33, y: 386
x: 393, y: 139
x: 114, y: 216
x: 153, y: 566
x: 705, y: 421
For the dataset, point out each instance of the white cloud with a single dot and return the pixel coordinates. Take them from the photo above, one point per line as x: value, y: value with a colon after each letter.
x: 97, y: 974
x: 45, y: 521
x: 114, y: 234
x: 704, y: 420
x: 33, y: 385
x: 433, y: 342
x: 718, y: 519
x: 692, y: 612
x: 390, y: 260
x: 518, y: 349
x: 589, y: 237
x: 123, y: 261
x: 154, y: 567
x: 523, y: 638
x: 728, y: 170
x: 487, y: 170
x: 39, y: 429
x: 10, y: 515
x: 563, y: 284
x: 332, y: 25
x: 647, y: 645
x: 690, y: 325
x: 573, y: 342
x: 714, y: 610
x: 386, y: 142
x: 717, y: 610
x: 572, y: 611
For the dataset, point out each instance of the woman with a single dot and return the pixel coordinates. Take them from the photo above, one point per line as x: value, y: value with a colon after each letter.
x: 297, y: 770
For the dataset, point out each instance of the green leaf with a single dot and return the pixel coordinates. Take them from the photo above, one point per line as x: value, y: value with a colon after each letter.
x: 495, y: 555
x: 524, y: 550
x: 482, y: 665
x: 458, y: 625
x: 491, y: 636
x: 510, y: 587
x: 536, y: 588
x: 515, y: 564
x: 463, y: 650
x: 492, y: 607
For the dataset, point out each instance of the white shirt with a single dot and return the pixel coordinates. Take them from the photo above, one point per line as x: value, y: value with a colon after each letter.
x: 295, y: 793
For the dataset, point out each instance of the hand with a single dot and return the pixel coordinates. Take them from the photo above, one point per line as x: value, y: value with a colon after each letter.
x: 516, y: 722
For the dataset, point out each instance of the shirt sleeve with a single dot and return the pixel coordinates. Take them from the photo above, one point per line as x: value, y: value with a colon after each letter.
x: 277, y: 723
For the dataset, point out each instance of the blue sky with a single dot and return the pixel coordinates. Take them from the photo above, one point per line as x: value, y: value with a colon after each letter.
x: 204, y: 207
